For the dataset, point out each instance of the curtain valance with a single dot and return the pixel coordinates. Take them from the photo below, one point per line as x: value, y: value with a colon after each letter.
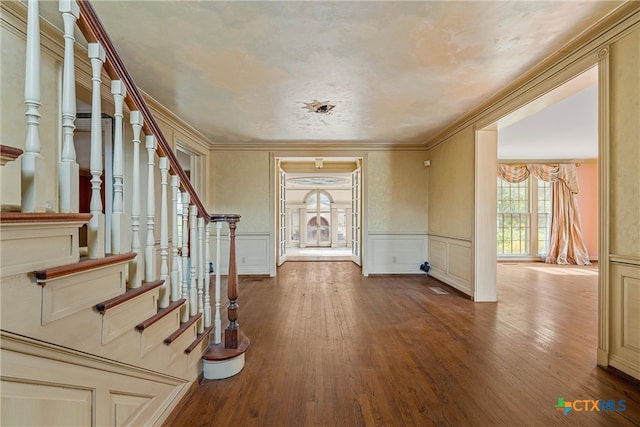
x: 565, y: 172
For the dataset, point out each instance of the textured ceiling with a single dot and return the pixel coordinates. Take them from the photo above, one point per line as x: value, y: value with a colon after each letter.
x: 397, y: 72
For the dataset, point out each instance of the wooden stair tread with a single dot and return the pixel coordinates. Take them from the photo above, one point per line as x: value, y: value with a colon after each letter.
x: 29, y: 217
x: 183, y: 327
x: 199, y: 339
x: 130, y: 294
x: 217, y: 352
x: 9, y: 153
x: 160, y: 314
x: 84, y: 264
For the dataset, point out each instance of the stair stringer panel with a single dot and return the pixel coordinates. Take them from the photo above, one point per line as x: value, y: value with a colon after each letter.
x: 48, y: 380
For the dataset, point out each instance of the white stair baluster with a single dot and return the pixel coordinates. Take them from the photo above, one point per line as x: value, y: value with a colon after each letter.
x: 217, y: 319
x: 201, y: 270
x: 32, y: 187
x: 193, y: 244
x: 150, y: 249
x: 69, y: 169
x: 185, y: 255
x: 96, y: 226
x: 175, y: 223
x: 118, y: 218
x: 165, y: 290
x: 207, y: 277
x: 135, y: 270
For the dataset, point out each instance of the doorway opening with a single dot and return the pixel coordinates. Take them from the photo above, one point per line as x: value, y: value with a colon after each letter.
x: 318, y: 209
x: 558, y: 128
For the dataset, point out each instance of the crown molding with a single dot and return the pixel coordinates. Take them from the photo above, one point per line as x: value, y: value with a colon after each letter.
x: 574, y: 57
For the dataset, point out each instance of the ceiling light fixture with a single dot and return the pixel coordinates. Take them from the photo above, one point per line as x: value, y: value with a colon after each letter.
x: 319, y: 107
x: 319, y: 163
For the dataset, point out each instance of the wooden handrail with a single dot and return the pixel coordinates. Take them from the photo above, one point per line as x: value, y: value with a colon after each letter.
x: 94, y: 31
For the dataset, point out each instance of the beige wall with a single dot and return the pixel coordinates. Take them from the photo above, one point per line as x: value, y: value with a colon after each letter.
x: 624, y: 166
x: 396, y: 185
x: 451, y: 186
x: 620, y: 341
x: 240, y: 184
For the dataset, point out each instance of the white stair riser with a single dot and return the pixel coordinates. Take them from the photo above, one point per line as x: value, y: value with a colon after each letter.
x: 126, y: 316
x: 155, y: 334
x: 66, y: 295
x: 176, y: 348
x: 29, y: 247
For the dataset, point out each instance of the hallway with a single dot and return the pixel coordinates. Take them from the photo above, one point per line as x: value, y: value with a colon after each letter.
x: 330, y: 347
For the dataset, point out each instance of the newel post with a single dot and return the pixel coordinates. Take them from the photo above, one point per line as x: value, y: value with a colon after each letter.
x: 232, y: 332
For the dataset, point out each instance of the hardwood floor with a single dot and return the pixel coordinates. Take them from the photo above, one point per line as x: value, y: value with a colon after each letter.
x: 332, y: 348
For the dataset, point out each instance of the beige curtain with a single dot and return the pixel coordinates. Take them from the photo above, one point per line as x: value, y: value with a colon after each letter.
x: 566, y: 245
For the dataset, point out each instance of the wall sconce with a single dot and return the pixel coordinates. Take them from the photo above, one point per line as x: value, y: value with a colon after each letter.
x: 318, y: 163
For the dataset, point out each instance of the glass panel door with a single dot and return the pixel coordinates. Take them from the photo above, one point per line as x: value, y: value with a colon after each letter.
x: 318, y: 219
x: 355, y: 212
x: 312, y: 229
x: 282, y: 217
x: 324, y: 230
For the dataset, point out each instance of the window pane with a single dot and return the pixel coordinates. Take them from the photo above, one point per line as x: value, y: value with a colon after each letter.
x: 513, y: 217
x: 312, y: 201
x: 295, y: 225
x: 544, y: 212
x: 342, y: 224
x: 325, y: 203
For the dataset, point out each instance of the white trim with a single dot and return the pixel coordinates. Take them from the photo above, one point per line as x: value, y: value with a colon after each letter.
x: 484, y: 277
x: 603, y: 206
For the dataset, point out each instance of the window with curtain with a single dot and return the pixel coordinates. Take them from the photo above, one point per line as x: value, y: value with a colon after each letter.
x: 565, y: 243
x: 523, y: 212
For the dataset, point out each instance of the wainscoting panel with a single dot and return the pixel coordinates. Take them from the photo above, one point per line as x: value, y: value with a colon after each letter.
x: 451, y: 262
x: 252, y: 253
x: 39, y: 404
x: 45, y: 385
x: 396, y: 253
x: 625, y: 318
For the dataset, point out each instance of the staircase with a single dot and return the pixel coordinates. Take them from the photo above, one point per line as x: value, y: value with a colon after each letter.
x: 76, y: 340
x: 113, y: 332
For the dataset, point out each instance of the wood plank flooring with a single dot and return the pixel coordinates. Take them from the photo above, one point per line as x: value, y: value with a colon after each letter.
x: 332, y: 348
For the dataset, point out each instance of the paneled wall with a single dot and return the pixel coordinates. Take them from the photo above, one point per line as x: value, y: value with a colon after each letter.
x: 451, y: 261
x: 623, y: 196
x: 72, y: 388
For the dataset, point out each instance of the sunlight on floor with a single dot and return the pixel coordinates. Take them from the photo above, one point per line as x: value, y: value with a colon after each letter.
x: 319, y: 254
x: 566, y: 270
